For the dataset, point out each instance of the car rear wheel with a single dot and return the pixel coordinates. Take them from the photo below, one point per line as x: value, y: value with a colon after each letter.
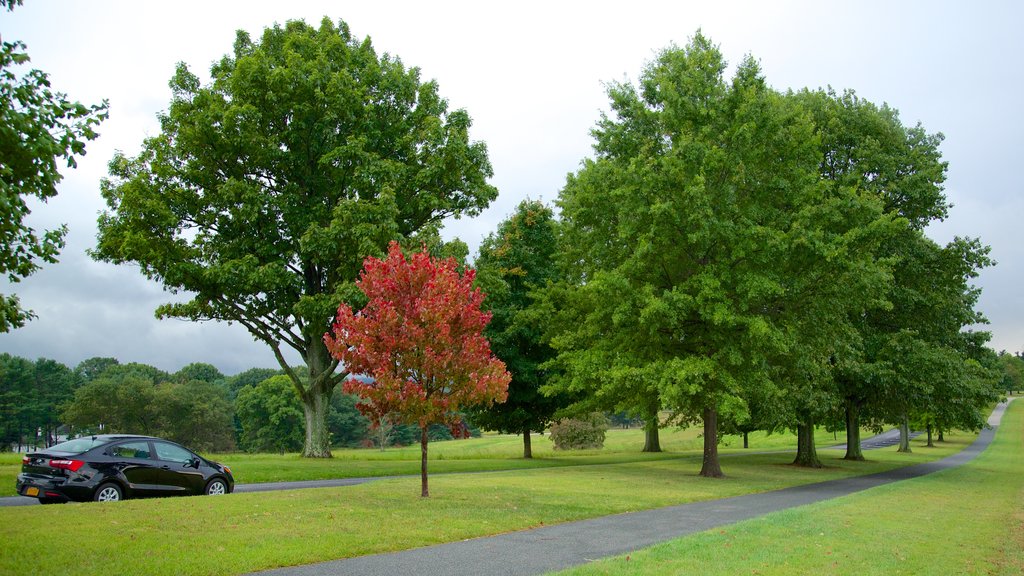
x: 216, y: 487
x: 108, y: 493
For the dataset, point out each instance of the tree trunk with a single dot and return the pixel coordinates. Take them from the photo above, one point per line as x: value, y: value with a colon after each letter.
x: 527, y: 445
x: 929, y: 429
x: 746, y: 439
x: 424, y: 492
x: 941, y: 439
x: 806, y: 453
x: 316, y: 398
x: 853, y: 451
x: 710, y: 467
x: 652, y: 441
x: 316, y: 405
x: 905, y: 435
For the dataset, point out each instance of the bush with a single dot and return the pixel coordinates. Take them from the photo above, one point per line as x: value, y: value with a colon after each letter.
x: 586, y: 432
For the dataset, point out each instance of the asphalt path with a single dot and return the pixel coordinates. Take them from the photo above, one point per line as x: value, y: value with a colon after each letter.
x: 883, y: 440
x: 562, y: 546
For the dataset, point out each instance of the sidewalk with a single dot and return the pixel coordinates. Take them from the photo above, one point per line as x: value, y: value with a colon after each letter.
x: 550, y: 548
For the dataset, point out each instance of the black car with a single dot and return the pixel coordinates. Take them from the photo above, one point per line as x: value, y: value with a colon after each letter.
x: 112, y: 467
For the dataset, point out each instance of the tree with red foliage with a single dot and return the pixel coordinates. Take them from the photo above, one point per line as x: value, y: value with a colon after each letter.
x: 420, y: 341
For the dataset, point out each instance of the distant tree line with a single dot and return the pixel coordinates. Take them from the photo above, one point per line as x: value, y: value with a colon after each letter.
x: 256, y: 410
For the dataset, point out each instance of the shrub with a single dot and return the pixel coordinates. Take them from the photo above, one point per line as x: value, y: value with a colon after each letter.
x: 582, y: 433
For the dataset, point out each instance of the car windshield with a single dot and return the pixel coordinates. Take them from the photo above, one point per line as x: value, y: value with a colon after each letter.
x: 77, y: 446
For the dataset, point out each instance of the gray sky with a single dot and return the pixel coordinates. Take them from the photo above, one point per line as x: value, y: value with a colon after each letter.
x: 531, y: 76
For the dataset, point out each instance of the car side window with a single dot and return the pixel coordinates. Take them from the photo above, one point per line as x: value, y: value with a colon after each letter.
x: 131, y: 450
x: 172, y: 453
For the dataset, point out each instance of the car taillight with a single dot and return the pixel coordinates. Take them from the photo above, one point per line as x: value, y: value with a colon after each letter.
x: 25, y: 460
x: 72, y: 465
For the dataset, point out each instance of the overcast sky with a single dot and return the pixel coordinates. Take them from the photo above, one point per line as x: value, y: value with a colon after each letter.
x: 531, y: 76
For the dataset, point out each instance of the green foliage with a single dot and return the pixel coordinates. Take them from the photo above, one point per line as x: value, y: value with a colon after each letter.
x: 348, y: 426
x: 708, y: 258
x: 270, y: 418
x: 250, y: 377
x: 140, y: 399
x: 31, y: 394
x: 270, y: 415
x: 198, y: 371
x: 267, y: 187
x: 583, y: 433
x: 909, y: 355
x: 197, y: 414
x: 37, y: 127
x: 517, y: 259
x: 88, y: 369
x: 1012, y: 366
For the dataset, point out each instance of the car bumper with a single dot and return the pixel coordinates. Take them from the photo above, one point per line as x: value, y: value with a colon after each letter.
x: 50, y: 489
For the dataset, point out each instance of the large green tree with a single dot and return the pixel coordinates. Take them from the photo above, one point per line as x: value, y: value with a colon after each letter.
x: 867, y: 147
x: 515, y: 260
x: 267, y: 187
x: 38, y: 127
x: 923, y: 362
x: 695, y: 237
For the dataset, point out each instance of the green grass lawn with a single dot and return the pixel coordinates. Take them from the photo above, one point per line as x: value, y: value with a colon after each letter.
x: 967, y: 520
x: 489, y: 453
x: 246, y: 532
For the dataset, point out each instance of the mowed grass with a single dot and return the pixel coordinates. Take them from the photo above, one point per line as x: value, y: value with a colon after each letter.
x: 966, y: 520
x: 247, y: 532
x: 489, y: 453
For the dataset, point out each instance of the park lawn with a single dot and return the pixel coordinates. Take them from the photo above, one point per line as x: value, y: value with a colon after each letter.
x: 247, y: 532
x: 966, y: 520
x: 491, y: 452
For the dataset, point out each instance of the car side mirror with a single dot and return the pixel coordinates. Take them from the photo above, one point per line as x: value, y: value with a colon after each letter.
x: 193, y: 463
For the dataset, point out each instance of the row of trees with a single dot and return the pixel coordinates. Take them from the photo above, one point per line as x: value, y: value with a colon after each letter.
x: 748, y: 259
x: 737, y: 256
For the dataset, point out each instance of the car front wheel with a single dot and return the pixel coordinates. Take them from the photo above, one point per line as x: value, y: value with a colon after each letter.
x: 216, y: 487
x: 108, y: 493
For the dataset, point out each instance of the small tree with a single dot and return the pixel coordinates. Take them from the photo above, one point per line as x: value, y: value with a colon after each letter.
x: 420, y: 339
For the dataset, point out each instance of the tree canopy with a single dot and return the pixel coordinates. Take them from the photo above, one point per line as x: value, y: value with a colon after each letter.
x: 266, y: 188
x: 418, y: 344
x: 698, y: 236
x: 38, y: 127
x: 517, y: 259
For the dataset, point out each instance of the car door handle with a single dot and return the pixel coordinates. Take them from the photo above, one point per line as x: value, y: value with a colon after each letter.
x: 166, y: 467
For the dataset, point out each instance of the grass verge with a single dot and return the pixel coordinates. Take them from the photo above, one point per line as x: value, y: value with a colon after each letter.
x: 966, y: 520
x: 247, y: 532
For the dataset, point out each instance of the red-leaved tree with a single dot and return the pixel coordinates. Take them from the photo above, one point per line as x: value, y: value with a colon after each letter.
x: 420, y: 341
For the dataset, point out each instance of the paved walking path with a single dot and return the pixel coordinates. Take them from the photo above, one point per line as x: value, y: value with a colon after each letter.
x: 550, y: 548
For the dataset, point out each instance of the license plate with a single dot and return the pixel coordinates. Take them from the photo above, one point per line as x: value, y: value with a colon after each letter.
x: 33, y: 491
